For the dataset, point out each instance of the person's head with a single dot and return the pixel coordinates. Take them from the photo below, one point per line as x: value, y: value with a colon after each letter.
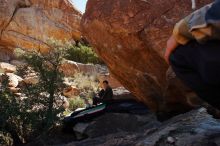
x: 105, y: 84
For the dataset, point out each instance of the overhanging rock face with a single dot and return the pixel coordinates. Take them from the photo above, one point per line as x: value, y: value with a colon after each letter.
x: 130, y: 36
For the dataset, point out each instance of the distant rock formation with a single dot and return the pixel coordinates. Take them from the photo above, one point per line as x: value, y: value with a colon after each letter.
x: 28, y: 24
x: 130, y: 37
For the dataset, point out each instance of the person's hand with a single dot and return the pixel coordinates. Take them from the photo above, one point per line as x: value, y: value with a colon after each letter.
x: 172, y: 44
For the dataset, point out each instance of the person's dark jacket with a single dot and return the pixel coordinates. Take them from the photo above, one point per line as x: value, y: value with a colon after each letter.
x: 106, y: 95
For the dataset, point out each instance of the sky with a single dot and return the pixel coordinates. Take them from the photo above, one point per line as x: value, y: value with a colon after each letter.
x: 80, y: 4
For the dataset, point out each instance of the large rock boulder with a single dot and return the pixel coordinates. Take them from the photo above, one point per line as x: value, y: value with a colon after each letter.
x: 130, y: 36
x: 28, y: 24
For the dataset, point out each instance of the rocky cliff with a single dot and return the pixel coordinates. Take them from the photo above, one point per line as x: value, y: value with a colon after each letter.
x: 29, y: 24
x: 130, y: 36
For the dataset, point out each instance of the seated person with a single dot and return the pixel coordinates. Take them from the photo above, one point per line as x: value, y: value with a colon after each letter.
x: 105, y: 95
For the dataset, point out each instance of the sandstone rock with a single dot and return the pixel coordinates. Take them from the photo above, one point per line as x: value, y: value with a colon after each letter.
x: 7, y: 68
x: 71, y: 92
x: 28, y: 24
x: 14, y: 80
x: 130, y: 37
x: 69, y: 68
x: 33, y: 80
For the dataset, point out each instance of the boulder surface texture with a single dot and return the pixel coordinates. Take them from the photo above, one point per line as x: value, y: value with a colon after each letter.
x: 130, y: 36
x: 28, y: 24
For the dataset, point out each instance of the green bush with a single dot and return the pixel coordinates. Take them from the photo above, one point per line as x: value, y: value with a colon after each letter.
x: 27, y: 118
x: 76, y: 103
x: 45, y: 94
x: 11, y: 112
x: 83, y: 54
x: 88, y: 85
x: 22, y: 120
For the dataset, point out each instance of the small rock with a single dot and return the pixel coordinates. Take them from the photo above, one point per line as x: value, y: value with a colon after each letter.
x: 7, y: 68
x: 14, y: 89
x: 14, y: 80
x: 170, y: 140
x: 31, y: 80
x: 71, y: 92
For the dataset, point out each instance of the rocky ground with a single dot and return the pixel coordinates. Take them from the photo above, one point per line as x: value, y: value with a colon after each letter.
x: 195, y: 128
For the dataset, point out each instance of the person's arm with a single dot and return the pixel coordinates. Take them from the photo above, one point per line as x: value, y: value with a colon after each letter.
x: 202, y: 25
x: 101, y: 93
x: 108, y: 94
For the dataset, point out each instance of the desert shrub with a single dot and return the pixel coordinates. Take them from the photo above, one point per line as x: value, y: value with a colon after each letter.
x: 10, y: 115
x: 83, y: 54
x: 45, y: 96
x: 40, y: 109
x: 88, y: 84
x: 76, y: 103
x: 24, y: 119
